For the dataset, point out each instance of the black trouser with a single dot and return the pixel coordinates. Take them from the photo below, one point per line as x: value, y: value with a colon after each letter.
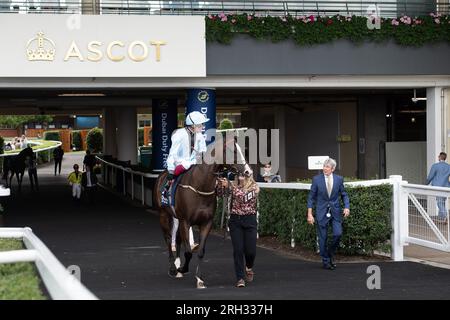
x: 32, y: 174
x: 58, y: 163
x: 243, y: 231
x: 90, y: 193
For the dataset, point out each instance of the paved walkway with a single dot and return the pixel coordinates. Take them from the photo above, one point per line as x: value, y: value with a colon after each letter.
x: 120, y: 250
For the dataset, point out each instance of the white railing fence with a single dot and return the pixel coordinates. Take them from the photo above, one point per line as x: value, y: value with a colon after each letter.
x: 419, y: 213
x: 60, y: 284
x: 116, y: 169
x: 427, y: 217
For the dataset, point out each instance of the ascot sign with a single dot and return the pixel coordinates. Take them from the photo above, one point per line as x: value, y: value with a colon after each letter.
x: 103, y: 46
x: 44, y: 50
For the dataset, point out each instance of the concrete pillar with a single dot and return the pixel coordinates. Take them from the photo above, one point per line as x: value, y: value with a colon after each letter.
x: 435, y: 125
x: 204, y: 101
x: 109, y: 132
x: 280, y: 123
x: 126, y: 123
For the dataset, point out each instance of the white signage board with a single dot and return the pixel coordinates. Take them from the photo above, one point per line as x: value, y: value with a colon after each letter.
x: 35, y: 45
x: 316, y: 162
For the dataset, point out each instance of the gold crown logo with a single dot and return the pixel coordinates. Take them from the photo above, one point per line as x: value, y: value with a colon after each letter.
x: 40, y: 48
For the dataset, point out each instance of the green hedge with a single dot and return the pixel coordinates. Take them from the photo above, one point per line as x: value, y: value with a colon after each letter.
x: 367, y: 228
x: 94, y: 140
x: 311, y: 30
x: 52, y: 135
x: 76, y: 140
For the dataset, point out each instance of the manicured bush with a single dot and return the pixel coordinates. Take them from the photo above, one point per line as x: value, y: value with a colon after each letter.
x: 94, y: 140
x: 226, y: 124
x: 52, y: 135
x: 76, y: 140
x: 368, y: 228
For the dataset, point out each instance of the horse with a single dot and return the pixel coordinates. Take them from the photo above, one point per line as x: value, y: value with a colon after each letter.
x: 16, y: 166
x: 195, y: 204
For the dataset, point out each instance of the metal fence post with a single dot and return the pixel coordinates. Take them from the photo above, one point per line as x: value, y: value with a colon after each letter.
x: 397, y: 212
x: 142, y: 190
x: 132, y: 186
x: 124, y: 182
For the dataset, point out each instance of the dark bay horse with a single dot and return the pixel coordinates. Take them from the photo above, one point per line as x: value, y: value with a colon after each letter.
x: 15, y: 165
x: 195, y: 204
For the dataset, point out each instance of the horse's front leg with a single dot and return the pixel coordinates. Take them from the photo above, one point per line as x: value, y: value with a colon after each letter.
x: 184, y: 233
x: 166, y: 227
x: 204, y: 232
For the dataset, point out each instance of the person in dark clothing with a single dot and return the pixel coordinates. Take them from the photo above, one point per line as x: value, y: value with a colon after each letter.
x: 32, y: 172
x: 58, y: 154
x: 89, y: 161
x: 89, y: 183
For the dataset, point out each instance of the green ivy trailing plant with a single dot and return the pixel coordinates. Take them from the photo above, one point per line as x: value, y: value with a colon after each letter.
x: 311, y: 30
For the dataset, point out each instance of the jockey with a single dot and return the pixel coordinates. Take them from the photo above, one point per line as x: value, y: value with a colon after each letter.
x: 187, y: 144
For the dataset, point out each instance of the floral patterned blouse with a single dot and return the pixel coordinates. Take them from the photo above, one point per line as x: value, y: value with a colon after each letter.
x: 242, y: 203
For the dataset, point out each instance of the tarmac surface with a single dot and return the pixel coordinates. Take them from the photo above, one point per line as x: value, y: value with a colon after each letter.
x: 121, y: 253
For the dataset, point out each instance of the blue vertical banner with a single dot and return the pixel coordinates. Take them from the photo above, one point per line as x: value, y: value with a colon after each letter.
x: 164, y: 122
x: 203, y: 100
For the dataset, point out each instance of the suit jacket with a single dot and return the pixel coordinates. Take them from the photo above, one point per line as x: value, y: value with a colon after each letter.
x: 84, y: 179
x: 439, y: 174
x: 318, y: 197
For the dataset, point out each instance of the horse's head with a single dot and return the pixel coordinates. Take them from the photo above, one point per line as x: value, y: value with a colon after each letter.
x: 229, y: 158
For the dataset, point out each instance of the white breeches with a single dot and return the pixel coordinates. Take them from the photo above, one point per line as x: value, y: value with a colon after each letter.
x: 76, y: 190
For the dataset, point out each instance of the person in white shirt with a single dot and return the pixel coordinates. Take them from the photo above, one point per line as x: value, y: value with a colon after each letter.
x: 188, y: 144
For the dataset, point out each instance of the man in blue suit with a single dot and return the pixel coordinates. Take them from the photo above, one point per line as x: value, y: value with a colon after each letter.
x: 438, y: 177
x: 326, y: 190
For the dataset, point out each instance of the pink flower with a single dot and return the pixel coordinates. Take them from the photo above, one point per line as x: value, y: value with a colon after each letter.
x: 283, y: 19
x: 210, y: 16
x: 405, y: 20
x: 349, y: 18
x: 394, y: 22
x: 233, y: 21
x: 437, y: 21
x: 249, y: 18
x: 417, y: 21
x: 222, y: 15
x: 224, y: 19
x: 311, y: 18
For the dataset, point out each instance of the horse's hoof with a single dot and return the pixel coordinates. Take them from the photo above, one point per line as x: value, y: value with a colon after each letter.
x: 173, y: 274
x: 179, y: 275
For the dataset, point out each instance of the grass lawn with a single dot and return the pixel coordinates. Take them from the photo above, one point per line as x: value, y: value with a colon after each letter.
x: 18, y: 281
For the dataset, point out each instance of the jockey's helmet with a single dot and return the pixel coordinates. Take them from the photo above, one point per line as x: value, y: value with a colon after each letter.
x: 196, y: 117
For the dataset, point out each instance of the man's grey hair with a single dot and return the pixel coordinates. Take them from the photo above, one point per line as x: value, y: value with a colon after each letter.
x: 330, y: 162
